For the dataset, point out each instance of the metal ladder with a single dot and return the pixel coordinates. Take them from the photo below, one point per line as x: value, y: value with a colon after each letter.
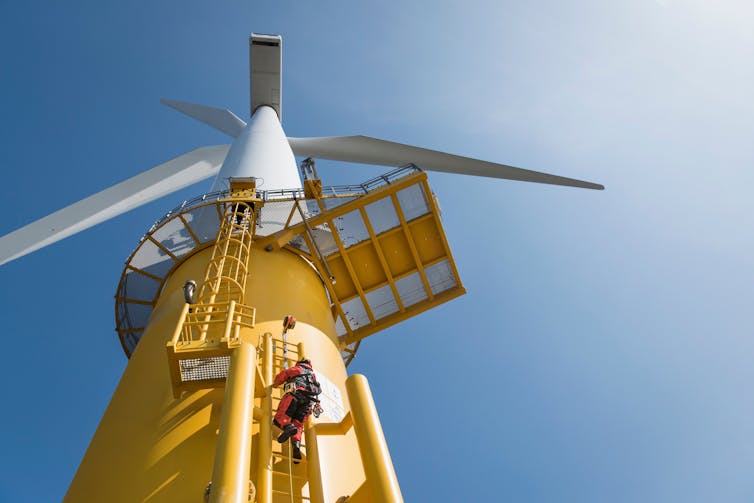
x: 207, y: 331
x: 288, y: 478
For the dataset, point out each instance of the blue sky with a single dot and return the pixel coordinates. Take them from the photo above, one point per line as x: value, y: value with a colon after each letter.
x: 604, y: 350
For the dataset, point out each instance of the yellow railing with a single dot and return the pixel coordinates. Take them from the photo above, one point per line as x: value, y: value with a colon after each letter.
x: 199, y: 323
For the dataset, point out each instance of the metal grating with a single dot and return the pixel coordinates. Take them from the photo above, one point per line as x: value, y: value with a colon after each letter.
x: 204, y: 369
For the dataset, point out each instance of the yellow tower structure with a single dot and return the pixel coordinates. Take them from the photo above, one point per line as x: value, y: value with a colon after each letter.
x: 191, y: 419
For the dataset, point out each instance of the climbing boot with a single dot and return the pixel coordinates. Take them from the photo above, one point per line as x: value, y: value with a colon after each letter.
x: 296, y: 447
x: 288, y: 432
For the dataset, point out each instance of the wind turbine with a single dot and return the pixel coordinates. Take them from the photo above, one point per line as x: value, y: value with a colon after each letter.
x: 347, y: 261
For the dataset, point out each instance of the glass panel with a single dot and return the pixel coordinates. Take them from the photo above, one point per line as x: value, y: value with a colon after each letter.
x: 411, y: 289
x: 300, y: 243
x: 174, y: 236
x: 324, y: 240
x: 351, y: 228
x: 204, y: 221
x: 334, y: 202
x: 382, y: 302
x: 348, y: 351
x: 309, y: 207
x: 150, y: 258
x: 440, y: 277
x: 121, y: 314
x: 273, y: 215
x: 139, y: 287
x: 355, y: 313
x: 133, y: 315
x: 131, y: 339
x: 382, y: 215
x: 413, y: 202
x: 340, y: 329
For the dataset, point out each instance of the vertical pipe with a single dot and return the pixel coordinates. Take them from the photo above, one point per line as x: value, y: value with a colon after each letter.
x: 229, y: 320
x: 264, y: 475
x: 373, y: 450
x: 313, y: 471
x: 230, y: 475
x: 179, y: 326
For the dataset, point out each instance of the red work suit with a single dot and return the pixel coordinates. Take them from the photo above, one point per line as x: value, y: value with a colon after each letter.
x: 294, y: 408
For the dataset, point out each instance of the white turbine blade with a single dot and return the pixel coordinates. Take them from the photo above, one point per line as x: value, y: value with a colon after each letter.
x: 366, y: 150
x: 161, y: 180
x: 221, y: 119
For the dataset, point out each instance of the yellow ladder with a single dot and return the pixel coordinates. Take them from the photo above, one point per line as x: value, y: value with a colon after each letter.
x: 225, y: 278
x: 207, y: 331
x: 288, y: 479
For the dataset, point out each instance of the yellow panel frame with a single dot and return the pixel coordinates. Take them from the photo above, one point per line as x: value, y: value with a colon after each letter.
x: 371, y: 264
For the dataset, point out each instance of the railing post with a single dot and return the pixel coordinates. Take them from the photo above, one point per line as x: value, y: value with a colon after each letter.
x: 230, y: 475
x: 179, y: 325
x: 229, y: 320
x: 373, y: 450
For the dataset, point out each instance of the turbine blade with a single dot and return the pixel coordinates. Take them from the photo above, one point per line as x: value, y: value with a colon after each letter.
x: 221, y: 119
x: 366, y: 150
x: 161, y: 180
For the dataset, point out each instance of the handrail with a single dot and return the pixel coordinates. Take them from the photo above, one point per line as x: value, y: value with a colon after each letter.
x: 232, y: 317
x: 280, y: 194
x: 340, y: 428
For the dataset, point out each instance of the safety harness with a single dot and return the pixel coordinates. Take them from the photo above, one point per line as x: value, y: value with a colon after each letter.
x: 305, y: 384
x: 304, y: 387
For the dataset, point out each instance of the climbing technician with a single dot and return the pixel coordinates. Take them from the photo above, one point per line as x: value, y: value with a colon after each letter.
x: 300, y: 399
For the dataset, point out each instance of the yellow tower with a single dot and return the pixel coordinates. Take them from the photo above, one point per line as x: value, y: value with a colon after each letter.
x: 195, y: 404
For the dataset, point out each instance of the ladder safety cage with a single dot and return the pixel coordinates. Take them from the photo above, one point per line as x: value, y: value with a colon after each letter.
x: 207, y: 331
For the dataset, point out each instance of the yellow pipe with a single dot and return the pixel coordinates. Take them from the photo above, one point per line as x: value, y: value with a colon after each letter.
x: 179, y: 325
x: 373, y: 450
x: 230, y: 475
x: 264, y: 475
x: 229, y: 320
x: 313, y: 470
x: 340, y: 428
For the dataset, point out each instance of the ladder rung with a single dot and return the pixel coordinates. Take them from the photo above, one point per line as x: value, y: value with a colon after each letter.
x: 298, y: 497
x: 280, y: 492
x: 278, y: 345
x: 284, y: 457
x: 276, y: 357
x: 286, y: 474
x: 281, y: 446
